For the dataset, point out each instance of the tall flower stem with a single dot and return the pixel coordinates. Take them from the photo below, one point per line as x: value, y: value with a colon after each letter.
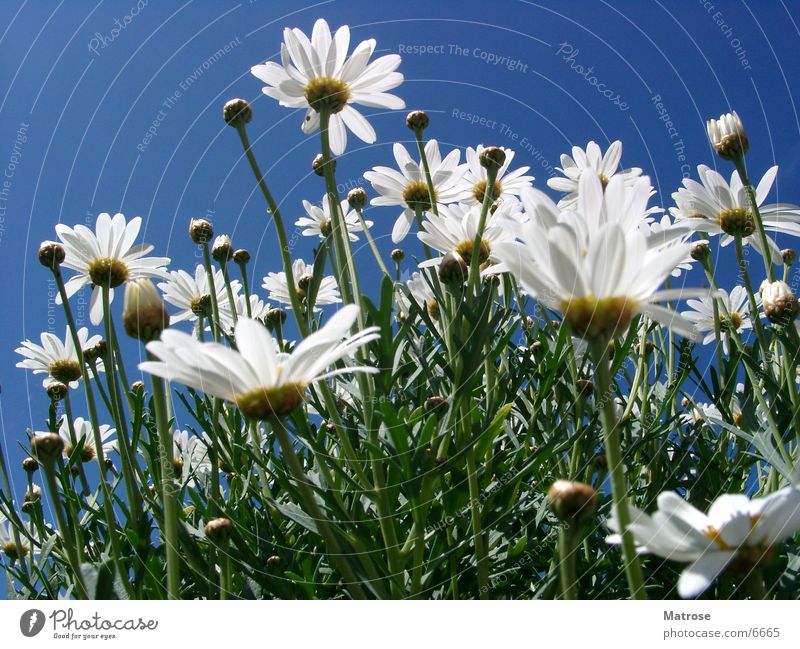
x: 474, y: 264
x: 68, y: 540
x: 321, y: 522
x: 371, y: 243
x: 616, y: 469
x: 245, y: 287
x: 229, y: 291
x: 274, y: 211
x: 105, y: 488
x: 426, y: 168
x: 567, y: 549
x: 168, y: 488
x: 481, y: 556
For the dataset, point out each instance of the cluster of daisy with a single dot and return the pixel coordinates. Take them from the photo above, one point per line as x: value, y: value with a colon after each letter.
x: 600, y: 258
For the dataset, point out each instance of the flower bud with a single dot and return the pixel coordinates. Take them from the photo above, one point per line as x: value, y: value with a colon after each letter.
x: 219, y: 530
x: 357, y: 198
x: 51, y: 254
x: 571, y: 502
x: 700, y: 251
x: 33, y: 494
x: 236, y: 112
x: 273, y: 561
x: 222, y: 250
x: 780, y: 304
x: 453, y: 270
x: 417, y: 120
x: 144, y: 314
x: 318, y: 164
x: 200, y: 231
x: 492, y: 157
x: 97, y: 352
x: 30, y: 465
x: 397, y: 255
x: 275, y: 317
x: 56, y: 390
x: 727, y: 136
x: 137, y: 387
x: 241, y: 256
x: 789, y: 256
x: 47, y: 447
x: 435, y: 405
x: 585, y: 387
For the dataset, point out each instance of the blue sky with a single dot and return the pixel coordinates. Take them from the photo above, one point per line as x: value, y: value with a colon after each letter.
x: 82, y: 83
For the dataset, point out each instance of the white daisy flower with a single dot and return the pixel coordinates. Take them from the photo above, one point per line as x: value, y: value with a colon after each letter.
x: 737, y: 535
x: 56, y: 358
x: 8, y: 544
x: 700, y: 412
x: 192, y: 295
x: 727, y: 135
x: 190, y: 458
x: 84, y: 438
x: 508, y: 183
x: 106, y: 257
x: 717, y: 207
x: 278, y: 286
x: 598, y: 283
x: 261, y: 381
x: 603, y: 167
x: 318, y: 221
x: 734, y: 315
x: 316, y: 74
x: 408, y: 187
x: 455, y: 229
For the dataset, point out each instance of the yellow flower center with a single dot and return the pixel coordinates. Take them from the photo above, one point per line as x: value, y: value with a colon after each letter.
x: 177, y: 467
x: 466, y: 247
x: 737, y: 221
x: 65, y: 370
x: 87, y: 451
x: 416, y: 195
x: 479, y: 190
x: 604, y: 318
x: 269, y: 403
x: 748, y: 557
x: 433, y: 309
x: 327, y: 92
x: 11, y: 551
x: 325, y: 228
x: 603, y: 180
x: 731, y: 323
x: 107, y: 271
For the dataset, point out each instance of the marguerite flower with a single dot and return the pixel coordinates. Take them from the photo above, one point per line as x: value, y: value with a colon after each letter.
x: 603, y: 167
x: 738, y: 534
x: 408, y: 187
x: 418, y: 288
x: 263, y: 382
x: 190, y: 458
x: 8, y: 543
x: 258, y: 310
x: 598, y: 283
x: 106, y: 257
x: 727, y: 136
x: 56, y: 358
x: 303, y: 273
x: 318, y: 222
x: 717, y: 207
x: 192, y: 294
x: 507, y: 183
x: 455, y: 229
x: 317, y: 75
x: 84, y: 438
x: 734, y: 314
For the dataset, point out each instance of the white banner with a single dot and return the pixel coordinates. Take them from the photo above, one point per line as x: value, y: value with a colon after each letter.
x: 387, y: 625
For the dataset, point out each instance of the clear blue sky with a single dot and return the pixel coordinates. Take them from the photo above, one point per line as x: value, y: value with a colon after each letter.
x: 78, y: 95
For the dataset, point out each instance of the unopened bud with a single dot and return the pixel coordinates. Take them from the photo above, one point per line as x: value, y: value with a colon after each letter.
x: 585, y: 387
x: 137, y: 387
x: 492, y: 157
x: 273, y: 561
x: 397, y: 255
x: 275, y: 317
x: 453, y: 270
x: 33, y: 494
x: 219, y: 530
x: 30, y: 465
x: 318, y: 164
x: 144, y: 314
x: 789, y: 256
x: 237, y: 111
x: 780, y: 304
x: 56, y: 390
x: 47, y: 447
x: 222, y: 250
x: 357, y: 198
x: 51, y: 254
x: 417, y: 120
x: 700, y: 251
x: 727, y: 136
x: 436, y: 405
x: 200, y: 231
x: 241, y: 256
x: 571, y: 502
x: 97, y: 352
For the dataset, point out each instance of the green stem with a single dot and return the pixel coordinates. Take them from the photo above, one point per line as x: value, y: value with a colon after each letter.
x: 616, y: 469
x: 168, y: 489
x: 372, y: 244
x: 279, y: 228
x: 762, y: 233
x: 567, y: 550
x: 481, y: 556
